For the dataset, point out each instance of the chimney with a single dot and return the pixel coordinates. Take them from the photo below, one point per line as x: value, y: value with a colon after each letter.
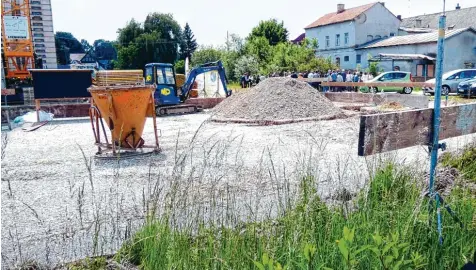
x: 458, y: 6
x: 383, y: 3
x: 340, y: 8
x: 399, y: 17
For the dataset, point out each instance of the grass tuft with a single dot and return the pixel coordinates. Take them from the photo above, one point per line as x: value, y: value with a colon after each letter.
x: 388, y: 228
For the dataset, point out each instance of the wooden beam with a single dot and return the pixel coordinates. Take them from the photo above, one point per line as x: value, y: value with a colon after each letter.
x: 379, y: 84
x: 391, y: 131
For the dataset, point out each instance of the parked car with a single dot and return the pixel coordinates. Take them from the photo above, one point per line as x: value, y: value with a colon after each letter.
x: 467, y: 88
x: 391, y: 76
x: 451, y: 80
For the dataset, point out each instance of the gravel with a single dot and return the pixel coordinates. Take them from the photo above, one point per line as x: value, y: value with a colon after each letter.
x: 59, y: 206
x: 277, y: 99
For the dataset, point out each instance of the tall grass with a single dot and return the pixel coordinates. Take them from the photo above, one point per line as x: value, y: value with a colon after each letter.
x: 387, y: 228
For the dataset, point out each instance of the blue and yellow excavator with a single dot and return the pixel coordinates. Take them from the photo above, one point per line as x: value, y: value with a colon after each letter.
x: 169, y: 99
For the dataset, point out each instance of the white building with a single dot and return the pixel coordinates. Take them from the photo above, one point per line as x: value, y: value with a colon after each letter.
x: 42, y: 31
x: 341, y: 32
x: 460, y: 51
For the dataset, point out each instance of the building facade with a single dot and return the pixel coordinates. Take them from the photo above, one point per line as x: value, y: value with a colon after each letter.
x: 464, y: 56
x: 341, y: 32
x: 42, y: 31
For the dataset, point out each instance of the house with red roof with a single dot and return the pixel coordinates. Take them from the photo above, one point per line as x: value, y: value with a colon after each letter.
x: 339, y: 33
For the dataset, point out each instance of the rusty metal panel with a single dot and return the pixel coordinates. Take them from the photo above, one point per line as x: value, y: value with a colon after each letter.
x: 392, y: 131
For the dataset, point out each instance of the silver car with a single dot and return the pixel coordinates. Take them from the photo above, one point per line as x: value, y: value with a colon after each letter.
x: 451, y: 79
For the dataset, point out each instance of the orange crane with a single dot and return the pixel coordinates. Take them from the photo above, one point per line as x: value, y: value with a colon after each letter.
x: 17, y: 39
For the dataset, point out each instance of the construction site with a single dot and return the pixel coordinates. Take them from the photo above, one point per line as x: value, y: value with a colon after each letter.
x: 83, y: 170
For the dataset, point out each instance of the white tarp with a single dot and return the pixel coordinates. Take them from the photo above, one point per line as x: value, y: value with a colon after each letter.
x: 209, y: 85
x: 16, y: 27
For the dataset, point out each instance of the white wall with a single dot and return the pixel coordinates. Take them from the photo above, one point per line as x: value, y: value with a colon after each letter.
x: 379, y: 21
x: 331, y: 30
x: 460, y: 49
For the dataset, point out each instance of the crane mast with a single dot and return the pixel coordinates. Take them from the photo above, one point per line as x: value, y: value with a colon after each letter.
x: 17, y: 46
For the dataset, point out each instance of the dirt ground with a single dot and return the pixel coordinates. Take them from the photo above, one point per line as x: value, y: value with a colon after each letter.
x: 60, y: 205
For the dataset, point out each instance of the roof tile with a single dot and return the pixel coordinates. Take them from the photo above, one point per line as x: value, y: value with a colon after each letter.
x: 346, y: 15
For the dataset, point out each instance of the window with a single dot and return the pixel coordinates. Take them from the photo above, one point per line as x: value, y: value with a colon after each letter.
x: 36, y: 13
x: 38, y: 29
x: 468, y: 74
x: 452, y: 77
x: 38, y: 35
x: 358, y: 59
x: 337, y: 40
x: 36, y: 2
x: 36, y: 18
x: 392, y: 34
x: 346, y: 59
x: 370, y: 37
x: 40, y: 51
x: 39, y: 40
x: 35, y: 8
x: 169, y: 75
x: 37, y: 24
x: 328, y: 42
x: 346, y: 39
x: 338, y: 61
x: 148, y: 75
x: 378, y: 37
x: 39, y: 45
x: 399, y: 75
x: 385, y: 36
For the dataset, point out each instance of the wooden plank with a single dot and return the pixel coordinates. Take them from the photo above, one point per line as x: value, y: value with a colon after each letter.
x: 392, y: 131
x: 379, y: 84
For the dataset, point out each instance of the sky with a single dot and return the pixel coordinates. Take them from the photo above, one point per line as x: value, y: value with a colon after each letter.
x: 210, y: 20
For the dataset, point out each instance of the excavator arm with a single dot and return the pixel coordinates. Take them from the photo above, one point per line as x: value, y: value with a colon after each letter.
x: 212, y: 66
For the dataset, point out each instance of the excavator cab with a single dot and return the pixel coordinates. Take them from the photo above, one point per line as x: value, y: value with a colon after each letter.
x: 163, y: 76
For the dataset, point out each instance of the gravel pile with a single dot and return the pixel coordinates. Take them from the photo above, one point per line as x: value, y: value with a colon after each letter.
x: 277, y: 99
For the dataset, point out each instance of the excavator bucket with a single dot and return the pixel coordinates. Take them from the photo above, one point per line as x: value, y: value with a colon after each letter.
x: 125, y: 110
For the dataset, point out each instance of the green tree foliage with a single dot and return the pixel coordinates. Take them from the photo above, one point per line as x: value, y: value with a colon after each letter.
x: 246, y: 64
x: 189, y: 43
x: 66, y: 44
x: 259, y: 47
x: 272, y: 30
x: 126, y: 57
x: 157, y: 40
x: 86, y: 45
x: 104, y: 50
x: 207, y: 54
x: 180, y: 67
x: 129, y: 33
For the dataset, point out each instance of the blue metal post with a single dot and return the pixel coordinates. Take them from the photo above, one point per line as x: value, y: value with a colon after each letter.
x: 436, y: 111
x: 436, y: 121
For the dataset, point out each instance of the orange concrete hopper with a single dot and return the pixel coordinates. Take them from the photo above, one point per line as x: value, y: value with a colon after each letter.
x: 125, y: 110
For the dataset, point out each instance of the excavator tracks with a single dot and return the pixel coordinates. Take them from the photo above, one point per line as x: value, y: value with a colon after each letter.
x: 179, y: 109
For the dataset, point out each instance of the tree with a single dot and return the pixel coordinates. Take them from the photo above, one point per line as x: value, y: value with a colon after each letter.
x: 66, y: 44
x: 180, y: 67
x: 104, y: 50
x: 206, y: 54
x: 130, y: 32
x: 259, y: 47
x: 156, y: 41
x: 127, y: 57
x: 170, y: 35
x: 86, y: 45
x: 189, y: 43
x: 247, y: 64
x: 273, y: 31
